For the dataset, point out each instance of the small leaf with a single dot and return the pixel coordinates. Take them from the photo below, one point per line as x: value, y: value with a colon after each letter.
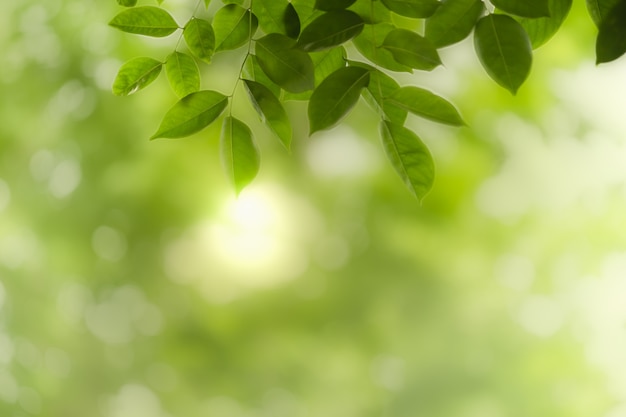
x: 504, y: 50
x: 426, y: 104
x: 524, y: 8
x: 409, y: 157
x: 335, y: 96
x: 271, y: 14
x: 380, y: 87
x: 127, y: 3
x: 611, y: 40
x: 412, y: 8
x: 292, y: 22
x: 145, y: 20
x: 240, y: 156
x: 453, y: 21
x: 191, y: 114
x: 200, y: 39
x: 411, y: 49
x: 135, y: 75
x: 541, y: 29
x: 369, y: 44
x: 271, y: 111
x: 329, y: 30
x: 599, y: 9
x: 290, y: 68
x: 233, y: 26
x: 328, y: 5
x: 182, y: 73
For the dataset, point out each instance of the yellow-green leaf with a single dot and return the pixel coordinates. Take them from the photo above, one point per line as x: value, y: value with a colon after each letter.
x: 145, y: 20
x: 290, y: 68
x: 426, y: 104
x: 200, y: 38
x: 182, y: 73
x: 233, y: 26
x: 411, y: 49
x: 135, y: 75
x: 240, y: 156
x: 271, y: 111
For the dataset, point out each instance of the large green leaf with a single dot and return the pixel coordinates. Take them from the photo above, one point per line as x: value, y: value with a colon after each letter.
x: 330, y: 29
x: 611, y: 40
x: 240, y: 156
x: 200, y: 38
x: 599, y: 9
x: 127, y: 3
x: 409, y: 157
x: 411, y: 49
x: 306, y: 10
x: 380, y: 87
x: 252, y: 71
x: 412, y: 8
x: 271, y: 111
x: 335, y: 96
x: 541, y: 29
x: 524, y: 8
x: 290, y: 68
x: 135, y: 75
x: 453, y: 21
x: 233, y: 26
x: 191, y: 114
x: 504, y: 50
x: 328, y: 5
x: 325, y: 63
x: 426, y: 104
x: 370, y: 42
x: 145, y: 20
x: 182, y: 73
x: 271, y: 14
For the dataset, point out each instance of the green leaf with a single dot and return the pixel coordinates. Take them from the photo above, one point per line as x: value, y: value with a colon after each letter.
x: 292, y: 22
x: 371, y: 12
x: 325, y: 63
x: 200, y: 39
x: 191, y: 114
x: 271, y: 14
x: 453, y: 21
x: 328, y: 5
x: 541, y: 29
x: 306, y: 10
x: 380, y: 87
x: 240, y: 156
x: 335, y: 96
x: 145, y: 20
x: 611, y: 40
x: 182, y: 73
x: 412, y: 8
x: 369, y: 43
x: 524, y: 8
x: 233, y: 26
x: 426, y: 104
x: 504, y: 50
x: 288, y: 67
x: 252, y: 71
x: 206, y: 3
x: 411, y: 49
x: 127, y: 3
x: 330, y: 29
x: 409, y: 157
x: 135, y: 75
x: 271, y: 111
x: 599, y: 9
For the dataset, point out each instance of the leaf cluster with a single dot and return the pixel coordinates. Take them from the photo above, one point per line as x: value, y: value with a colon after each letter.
x: 332, y: 53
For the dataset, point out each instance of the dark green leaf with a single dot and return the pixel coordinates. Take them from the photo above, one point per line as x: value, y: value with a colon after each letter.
x: 380, y: 87
x: 329, y: 30
x: 504, y: 50
x: 191, y: 114
x: 233, y: 26
x: 369, y: 43
x: 240, y: 156
x: 599, y: 9
x: 524, y: 8
x: 371, y: 12
x: 145, y: 20
x: 271, y: 111
x: 325, y: 63
x: 306, y: 10
x: 328, y: 5
x: 426, y: 104
x: 200, y: 39
x: 611, y: 41
x: 541, y: 29
x: 135, y: 75
x: 271, y: 14
x: 335, y: 96
x: 292, y: 22
x: 409, y: 157
x: 412, y: 8
x: 411, y: 49
x: 453, y: 21
x: 252, y: 71
x: 183, y: 74
x: 127, y: 3
x: 288, y: 67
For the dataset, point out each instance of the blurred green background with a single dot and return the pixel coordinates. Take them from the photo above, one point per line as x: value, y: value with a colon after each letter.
x: 134, y: 284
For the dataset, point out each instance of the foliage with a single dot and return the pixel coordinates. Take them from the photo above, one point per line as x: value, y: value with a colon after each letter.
x: 331, y: 53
